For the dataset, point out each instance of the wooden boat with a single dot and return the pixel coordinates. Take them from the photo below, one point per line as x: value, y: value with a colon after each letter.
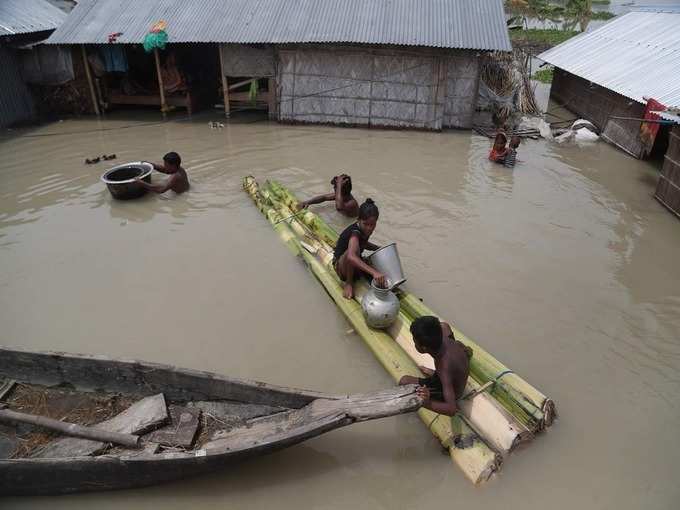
x: 238, y: 419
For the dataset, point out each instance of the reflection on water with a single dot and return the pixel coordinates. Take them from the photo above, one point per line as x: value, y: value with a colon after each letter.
x: 564, y: 267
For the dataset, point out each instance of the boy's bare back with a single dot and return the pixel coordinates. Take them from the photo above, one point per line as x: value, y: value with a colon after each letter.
x: 454, y: 361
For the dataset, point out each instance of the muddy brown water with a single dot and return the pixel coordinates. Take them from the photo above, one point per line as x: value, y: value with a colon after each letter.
x: 564, y: 268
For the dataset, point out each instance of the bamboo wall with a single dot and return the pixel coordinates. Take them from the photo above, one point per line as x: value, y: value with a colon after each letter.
x: 597, y: 104
x: 668, y: 187
x: 248, y: 61
x: 368, y: 86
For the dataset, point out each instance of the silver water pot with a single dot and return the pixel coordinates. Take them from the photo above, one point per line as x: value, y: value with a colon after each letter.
x: 380, y: 306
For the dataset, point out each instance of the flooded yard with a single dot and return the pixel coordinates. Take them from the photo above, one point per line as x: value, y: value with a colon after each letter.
x: 565, y: 268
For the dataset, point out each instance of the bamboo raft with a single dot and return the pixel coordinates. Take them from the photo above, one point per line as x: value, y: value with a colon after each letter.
x: 500, y: 410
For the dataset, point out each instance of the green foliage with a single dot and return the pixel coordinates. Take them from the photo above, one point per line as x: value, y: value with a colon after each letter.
x: 601, y: 2
x: 602, y: 15
x: 544, y: 75
x: 572, y: 14
x: 548, y: 37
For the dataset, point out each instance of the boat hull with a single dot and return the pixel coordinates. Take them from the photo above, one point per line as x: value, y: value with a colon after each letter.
x: 306, y: 414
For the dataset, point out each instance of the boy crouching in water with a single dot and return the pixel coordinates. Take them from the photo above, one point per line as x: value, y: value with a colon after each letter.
x: 446, y: 384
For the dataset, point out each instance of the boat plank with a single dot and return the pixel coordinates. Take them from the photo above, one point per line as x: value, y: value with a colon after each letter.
x: 319, y: 414
x: 234, y: 412
x: 141, y: 417
x: 181, y: 431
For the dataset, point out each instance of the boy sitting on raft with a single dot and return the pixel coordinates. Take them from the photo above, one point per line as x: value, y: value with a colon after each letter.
x: 342, y: 194
x: 446, y: 384
x: 352, y: 242
x: 178, y: 181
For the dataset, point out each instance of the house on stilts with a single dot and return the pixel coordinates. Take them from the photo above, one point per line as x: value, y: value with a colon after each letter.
x: 389, y: 63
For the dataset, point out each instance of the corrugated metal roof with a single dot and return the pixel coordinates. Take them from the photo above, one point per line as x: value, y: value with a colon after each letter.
x: 470, y: 24
x: 673, y: 117
x: 27, y: 16
x: 636, y: 55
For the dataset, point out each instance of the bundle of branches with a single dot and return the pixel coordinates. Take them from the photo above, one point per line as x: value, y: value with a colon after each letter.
x: 526, y: 99
x: 499, y: 78
x: 497, y: 74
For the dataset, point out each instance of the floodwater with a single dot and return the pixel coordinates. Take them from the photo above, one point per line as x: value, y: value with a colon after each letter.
x: 565, y: 268
x: 617, y: 7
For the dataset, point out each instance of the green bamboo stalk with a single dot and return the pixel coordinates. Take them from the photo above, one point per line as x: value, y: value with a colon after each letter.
x: 524, y: 401
x: 313, y: 221
x: 478, y: 461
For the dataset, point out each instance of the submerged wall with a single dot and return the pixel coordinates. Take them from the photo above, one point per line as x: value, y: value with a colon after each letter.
x: 366, y: 86
x: 597, y: 104
x: 668, y: 187
x: 16, y: 102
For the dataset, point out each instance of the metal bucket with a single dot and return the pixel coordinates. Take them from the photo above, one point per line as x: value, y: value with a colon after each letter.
x: 386, y: 260
x: 121, y: 179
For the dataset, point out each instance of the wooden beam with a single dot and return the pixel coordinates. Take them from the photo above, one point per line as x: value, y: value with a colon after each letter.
x: 271, y: 99
x: 95, y: 103
x: 241, y: 83
x: 164, y: 106
x: 70, y: 429
x: 225, y: 84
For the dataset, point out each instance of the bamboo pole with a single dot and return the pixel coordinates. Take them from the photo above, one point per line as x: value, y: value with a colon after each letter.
x: 225, y: 85
x: 271, y: 99
x: 71, y: 429
x: 478, y: 461
x: 161, y: 88
x: 525, y: 402
x: 95, y: 102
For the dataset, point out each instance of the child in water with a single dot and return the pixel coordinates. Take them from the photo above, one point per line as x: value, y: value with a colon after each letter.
x: 499, y: 151
x: 352, y: 242
x: 446, y: 383
x: 178, y: 180
x: 511, y: 154
x: 342, y: 194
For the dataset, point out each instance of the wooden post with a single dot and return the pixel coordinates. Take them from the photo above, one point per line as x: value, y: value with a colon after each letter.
x: 271, y: 85
x: 164, y: 107
x: 225, y: 84
x: 95, y: 102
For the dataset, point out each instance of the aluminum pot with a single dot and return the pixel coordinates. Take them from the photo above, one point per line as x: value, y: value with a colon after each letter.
x: 121, y: 179
x: 386, y: 260
x: 380, y: 306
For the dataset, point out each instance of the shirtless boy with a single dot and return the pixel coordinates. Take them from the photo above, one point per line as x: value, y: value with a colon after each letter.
x: 446, y: 384
x: 178, y: 180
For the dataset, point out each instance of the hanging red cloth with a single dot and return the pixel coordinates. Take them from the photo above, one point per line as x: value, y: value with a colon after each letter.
x: 648, y: 130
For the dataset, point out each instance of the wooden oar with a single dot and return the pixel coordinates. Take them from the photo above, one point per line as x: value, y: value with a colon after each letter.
x: 70, y: 429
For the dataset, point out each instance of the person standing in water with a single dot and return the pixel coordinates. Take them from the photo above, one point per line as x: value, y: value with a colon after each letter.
x: 178, y: 180
x: 499, y: 150
x: 342, y: 195
x: 352, y: 242
x: 444, y: 385
x: 511, y: 155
